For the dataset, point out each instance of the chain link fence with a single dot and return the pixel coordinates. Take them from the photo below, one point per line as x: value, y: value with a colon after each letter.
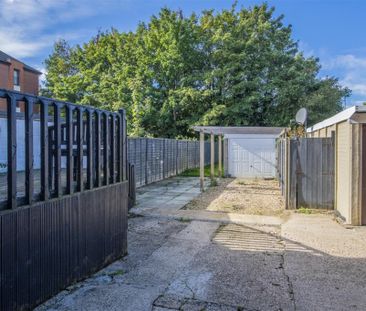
x: 155, y: 159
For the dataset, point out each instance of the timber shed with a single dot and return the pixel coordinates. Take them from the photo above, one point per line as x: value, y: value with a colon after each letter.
x: 349, y: 129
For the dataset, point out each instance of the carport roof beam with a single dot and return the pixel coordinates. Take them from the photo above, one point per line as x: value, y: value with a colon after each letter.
x: 223, y: 130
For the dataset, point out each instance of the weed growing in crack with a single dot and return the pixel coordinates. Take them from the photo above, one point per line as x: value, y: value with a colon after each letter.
x: 304, y: 210
x: 213, y: 182
x: 184, y: 219
x: 117, y: 272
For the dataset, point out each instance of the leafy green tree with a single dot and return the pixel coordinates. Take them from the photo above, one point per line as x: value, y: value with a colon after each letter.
x: 61, y: 81
x: 234, y: 67
x: 325, y: 99
x: 170, y: 70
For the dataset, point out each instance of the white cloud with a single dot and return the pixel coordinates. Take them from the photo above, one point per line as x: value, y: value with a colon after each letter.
x: 306, y: 49
x: 359, y: 102
x: 351, y: 70
x: 19, y: 46
x: 349, y: 67
x: 356, y: 81
x: 42, y: 77
x: 28, y: 26
x: 348, y: 61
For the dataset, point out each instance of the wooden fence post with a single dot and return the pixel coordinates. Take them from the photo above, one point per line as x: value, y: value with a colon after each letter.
x: 176, y: 158
x: 164, y: 156
x: 146, y: 158
x: 202, y: 160
x: 220, y: 155
x: 212, y: 156
x: 286, y: 174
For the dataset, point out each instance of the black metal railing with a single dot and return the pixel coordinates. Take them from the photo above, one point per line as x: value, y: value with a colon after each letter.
x: 81, y: 148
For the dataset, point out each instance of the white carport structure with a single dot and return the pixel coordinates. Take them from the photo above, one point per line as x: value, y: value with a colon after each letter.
x: 249, y: 152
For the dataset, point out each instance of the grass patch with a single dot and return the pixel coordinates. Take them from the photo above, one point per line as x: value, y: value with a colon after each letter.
x: 304, y: 210
x: 195, y: 172
x: 117, y: 272
x: 213, y: 183
x: 184, y: 219
x: 133, y: 215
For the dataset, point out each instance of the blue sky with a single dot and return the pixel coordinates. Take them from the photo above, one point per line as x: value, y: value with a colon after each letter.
x: 332, y: 30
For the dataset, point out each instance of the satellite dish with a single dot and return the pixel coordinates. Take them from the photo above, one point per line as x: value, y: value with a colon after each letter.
x: 301, y: 116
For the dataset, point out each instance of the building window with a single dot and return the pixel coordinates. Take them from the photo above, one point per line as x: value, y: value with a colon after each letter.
x: 16, y: 77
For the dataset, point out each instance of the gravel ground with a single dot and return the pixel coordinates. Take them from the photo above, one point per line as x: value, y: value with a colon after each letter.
x: 243, y: 196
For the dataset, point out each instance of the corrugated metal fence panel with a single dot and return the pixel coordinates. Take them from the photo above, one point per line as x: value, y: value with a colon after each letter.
x: 159, y: 158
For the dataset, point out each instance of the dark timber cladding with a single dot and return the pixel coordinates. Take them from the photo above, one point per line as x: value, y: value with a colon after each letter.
x: 67, y: 230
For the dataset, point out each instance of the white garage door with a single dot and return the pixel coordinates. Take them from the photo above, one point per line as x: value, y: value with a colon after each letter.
x: 251, y: 157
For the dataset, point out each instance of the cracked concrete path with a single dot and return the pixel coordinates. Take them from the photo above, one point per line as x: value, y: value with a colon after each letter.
x: 308, y: 263
x: 188, y: 266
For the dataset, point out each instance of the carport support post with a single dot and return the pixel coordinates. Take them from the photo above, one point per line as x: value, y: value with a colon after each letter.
x: 202, y: 160
x: 212, y: 156
x: 220, y: 155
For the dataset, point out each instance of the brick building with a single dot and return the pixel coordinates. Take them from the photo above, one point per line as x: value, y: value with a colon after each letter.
x: 15, y: 75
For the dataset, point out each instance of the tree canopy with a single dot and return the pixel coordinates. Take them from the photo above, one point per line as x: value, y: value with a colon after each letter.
x: 234, y: 67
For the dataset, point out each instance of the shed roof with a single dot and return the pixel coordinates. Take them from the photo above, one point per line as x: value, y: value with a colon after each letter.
x: 216, y: 130
x: 349, y: 114
x: 5, y: 58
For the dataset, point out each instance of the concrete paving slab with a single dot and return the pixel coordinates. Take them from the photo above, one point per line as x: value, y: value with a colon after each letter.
x: 166, y: 205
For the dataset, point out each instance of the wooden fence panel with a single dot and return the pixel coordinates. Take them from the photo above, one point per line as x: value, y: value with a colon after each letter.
x: 157, y: 158
x: 311, y: 173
